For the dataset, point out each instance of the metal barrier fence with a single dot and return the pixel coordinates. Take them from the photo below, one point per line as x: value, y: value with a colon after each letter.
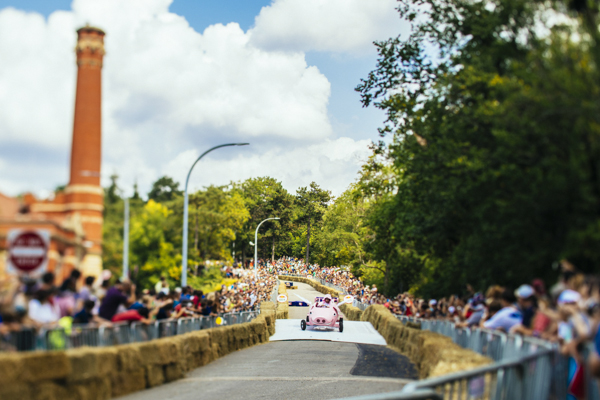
x: 524, y: 368
x: 117, y: 333
x: 331, y: 285
x: 360, y: 305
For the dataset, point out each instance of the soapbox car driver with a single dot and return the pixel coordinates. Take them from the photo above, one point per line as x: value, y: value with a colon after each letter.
x: 327, y: 301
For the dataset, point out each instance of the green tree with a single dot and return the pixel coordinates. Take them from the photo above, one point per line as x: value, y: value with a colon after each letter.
x: 112, y: 228
x: 149, y: 248
x: 343, y: 234
x: 217, y: 214
x: 164, y: 189
x: 495, y: 142
x: 265, y: 197
x: 312, y: 203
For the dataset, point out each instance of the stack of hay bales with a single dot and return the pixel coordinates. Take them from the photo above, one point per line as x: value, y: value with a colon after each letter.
x: 283, y: 309
x: 432, y: 353
x: 105, y: 372
x: 352, y: 313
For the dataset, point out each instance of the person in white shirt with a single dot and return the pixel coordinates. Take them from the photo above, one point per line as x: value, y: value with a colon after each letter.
x: 508, y: 316
x: 42, y: 310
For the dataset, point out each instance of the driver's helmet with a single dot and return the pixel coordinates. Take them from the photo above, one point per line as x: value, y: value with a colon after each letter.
x: 327, y: 299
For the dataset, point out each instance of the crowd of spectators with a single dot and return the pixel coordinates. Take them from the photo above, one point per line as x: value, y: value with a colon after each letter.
x: 568, y: 313
x: 35, y: 305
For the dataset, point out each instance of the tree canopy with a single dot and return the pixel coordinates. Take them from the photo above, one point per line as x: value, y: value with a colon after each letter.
x: 488, y: 170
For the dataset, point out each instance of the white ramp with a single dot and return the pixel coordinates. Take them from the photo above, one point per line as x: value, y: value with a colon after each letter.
x: 354, y: 332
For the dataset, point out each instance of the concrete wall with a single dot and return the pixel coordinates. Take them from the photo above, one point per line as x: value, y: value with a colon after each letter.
x: 93, y: 373
x: 432, y: 353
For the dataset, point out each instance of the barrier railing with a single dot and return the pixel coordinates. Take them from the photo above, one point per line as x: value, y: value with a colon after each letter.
x: 116, y: 333
x: 331, y: 285
x: 360, y: 305
x: 524, y: 368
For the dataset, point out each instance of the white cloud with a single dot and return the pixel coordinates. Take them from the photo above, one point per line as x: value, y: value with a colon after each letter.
x: 326, y: 25
x: 326, y: 163
x: 170, y: 92
x: 37, y: 77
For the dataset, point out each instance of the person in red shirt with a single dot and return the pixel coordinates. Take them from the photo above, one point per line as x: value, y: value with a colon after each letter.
x: 140, y: 314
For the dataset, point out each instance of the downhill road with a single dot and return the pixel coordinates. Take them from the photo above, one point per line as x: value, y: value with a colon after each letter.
x: 299, y: 369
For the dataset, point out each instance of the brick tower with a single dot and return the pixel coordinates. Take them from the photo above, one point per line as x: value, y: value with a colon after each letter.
x: 72, y: 215
x: 84, y: 195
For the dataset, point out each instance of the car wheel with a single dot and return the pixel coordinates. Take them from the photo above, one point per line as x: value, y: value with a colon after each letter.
x: 303, y: 325
x: 341, y: 324
x: 307, y: 318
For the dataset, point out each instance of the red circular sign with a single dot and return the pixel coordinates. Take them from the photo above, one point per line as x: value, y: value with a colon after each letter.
x: 27, y: 251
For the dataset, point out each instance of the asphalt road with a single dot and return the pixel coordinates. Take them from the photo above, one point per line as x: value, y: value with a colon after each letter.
x: 292, y: 370
x: 304, y: 292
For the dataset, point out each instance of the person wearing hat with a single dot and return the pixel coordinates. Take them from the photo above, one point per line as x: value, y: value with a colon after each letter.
x: 508, y: 316
x: 527, y: 303
x: 477, y: 311
x: 574, y: 329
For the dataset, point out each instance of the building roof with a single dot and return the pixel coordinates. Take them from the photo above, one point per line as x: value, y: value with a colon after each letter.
x: 9, y: 206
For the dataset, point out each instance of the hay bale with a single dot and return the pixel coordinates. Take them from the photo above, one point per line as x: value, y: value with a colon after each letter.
x: 149, y: 353
x: 51, y: 391
x: 173, y: 372
x: 10, y: 369
x: 133, y: 381
x: 282, y: 289
x: 84, y: 364
x: 414, y: 325
x: 352, y: 313
x: 282, y: 311
x: 20, y: 391
x: 168, y: 349
x: 38, y: 366
x: 154, y: 375
x: 94, y: 389
x: 433, y: 354
x: 129, y: 357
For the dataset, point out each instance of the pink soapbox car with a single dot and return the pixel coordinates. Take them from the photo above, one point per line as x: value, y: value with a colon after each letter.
x: 323, y: 315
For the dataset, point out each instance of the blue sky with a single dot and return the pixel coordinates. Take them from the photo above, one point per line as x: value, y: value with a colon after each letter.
x: 332, y: 44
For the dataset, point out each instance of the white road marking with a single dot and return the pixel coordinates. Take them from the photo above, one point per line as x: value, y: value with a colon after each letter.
x: 301, y: 298
x: 354, y: 332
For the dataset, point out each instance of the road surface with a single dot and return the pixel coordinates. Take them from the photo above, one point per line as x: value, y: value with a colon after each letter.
x: 297, y: 369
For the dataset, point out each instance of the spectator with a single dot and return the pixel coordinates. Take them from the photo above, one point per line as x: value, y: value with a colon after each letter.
x: 42, y: 309
x: 86, y: 292
x: 120, y: 294
x: 47, y: 281
x: 527, y: 304
x: 162, y: 285
x: 70, y: 284
x: 141, y: 315
x: 85, y: 315
x: 508, y: 316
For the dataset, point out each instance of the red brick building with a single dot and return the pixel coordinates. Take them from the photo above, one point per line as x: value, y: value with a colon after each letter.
x: 74, y: 215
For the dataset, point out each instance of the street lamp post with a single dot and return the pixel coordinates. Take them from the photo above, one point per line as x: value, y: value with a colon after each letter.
x: 185, y: 211
x: 256, y: 248
x: 126, y: 241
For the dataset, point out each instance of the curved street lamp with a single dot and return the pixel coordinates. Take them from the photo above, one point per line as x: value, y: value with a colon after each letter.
x: 185, y: 211
x: 256, y: 247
